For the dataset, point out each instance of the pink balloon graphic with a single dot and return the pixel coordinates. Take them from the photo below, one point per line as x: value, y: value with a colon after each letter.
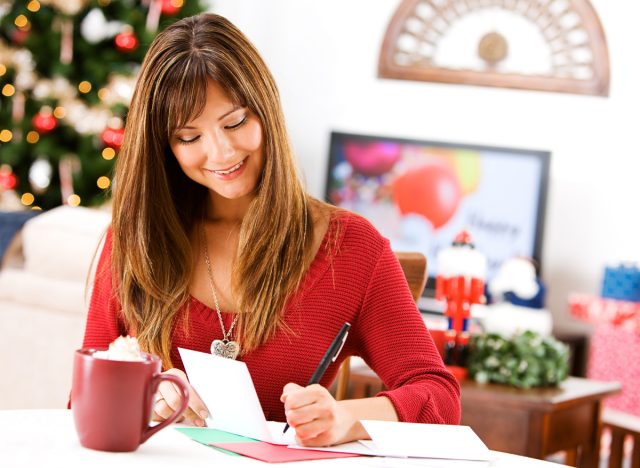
x: 372, y: 159
x: 432, y: 191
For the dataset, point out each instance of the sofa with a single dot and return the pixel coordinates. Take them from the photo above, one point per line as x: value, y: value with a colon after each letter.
x: 44, y: 291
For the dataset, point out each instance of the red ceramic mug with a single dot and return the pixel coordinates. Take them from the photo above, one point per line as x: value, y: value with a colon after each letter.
x: 112, y: 400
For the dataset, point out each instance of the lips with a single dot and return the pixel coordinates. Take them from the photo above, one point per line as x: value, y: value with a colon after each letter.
x: 228, y: 170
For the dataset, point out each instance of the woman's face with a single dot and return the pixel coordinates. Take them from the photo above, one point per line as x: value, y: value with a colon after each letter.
x: 221, y: 148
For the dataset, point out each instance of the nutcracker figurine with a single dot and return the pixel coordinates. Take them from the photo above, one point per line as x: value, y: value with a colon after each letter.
x: 460, y: 283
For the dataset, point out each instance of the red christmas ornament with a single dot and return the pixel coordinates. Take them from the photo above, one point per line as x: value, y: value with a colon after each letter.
x: 18, y: 36
x: 113, y: 137
x: 8, y: 179
x: 169, y: 7
x: 44, y: 122
x: 126, y: 42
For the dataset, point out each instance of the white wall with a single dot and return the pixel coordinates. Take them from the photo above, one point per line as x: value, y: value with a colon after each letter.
x: 324, y: 55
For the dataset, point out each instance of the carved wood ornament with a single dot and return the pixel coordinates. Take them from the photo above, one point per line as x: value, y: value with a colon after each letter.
x: 545, y: 45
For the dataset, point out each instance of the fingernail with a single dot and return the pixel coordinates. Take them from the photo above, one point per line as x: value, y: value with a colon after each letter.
x: 198, y: 422
x: 204, y: 414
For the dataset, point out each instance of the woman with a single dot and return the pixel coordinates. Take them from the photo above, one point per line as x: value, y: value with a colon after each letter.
x: 215, y: 246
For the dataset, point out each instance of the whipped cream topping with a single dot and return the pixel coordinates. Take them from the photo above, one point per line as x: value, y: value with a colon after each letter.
x: 123, y: 348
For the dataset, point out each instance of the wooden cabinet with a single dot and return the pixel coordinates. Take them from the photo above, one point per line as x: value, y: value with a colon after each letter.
x: 539, y: 422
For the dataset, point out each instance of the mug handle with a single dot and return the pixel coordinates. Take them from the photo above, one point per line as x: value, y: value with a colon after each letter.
x: 184, y: 396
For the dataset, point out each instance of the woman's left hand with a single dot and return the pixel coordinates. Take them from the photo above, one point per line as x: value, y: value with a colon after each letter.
x: 316, y: 416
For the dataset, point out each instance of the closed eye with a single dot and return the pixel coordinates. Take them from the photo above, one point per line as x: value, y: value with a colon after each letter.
x: 188, y: 141
x: 237, y: 125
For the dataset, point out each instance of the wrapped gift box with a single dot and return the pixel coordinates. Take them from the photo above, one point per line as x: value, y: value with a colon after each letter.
x: 622, y: 282
x: 614, y: 345
x: 613, y: 356
x: 599, y: 310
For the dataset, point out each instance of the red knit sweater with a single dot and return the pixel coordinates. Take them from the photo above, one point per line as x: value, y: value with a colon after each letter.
x: 356, y: 278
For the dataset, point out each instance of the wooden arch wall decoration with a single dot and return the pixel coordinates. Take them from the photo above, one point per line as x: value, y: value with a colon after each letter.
x: 545, y: 45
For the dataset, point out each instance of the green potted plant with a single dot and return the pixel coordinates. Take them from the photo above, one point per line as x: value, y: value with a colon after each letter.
x: 525, y: 360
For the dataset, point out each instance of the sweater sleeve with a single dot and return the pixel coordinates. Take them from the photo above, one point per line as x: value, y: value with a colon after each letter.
x: 395, y: 342
x: 104, y: 322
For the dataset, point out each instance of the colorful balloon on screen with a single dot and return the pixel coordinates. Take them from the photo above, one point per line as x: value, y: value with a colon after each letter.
x: 467, y: 167
x: 432, y: 191
x: 465, y: 164
x: 372, y: 159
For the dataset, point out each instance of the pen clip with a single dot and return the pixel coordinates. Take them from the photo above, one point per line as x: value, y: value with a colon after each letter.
x: 344, y: 339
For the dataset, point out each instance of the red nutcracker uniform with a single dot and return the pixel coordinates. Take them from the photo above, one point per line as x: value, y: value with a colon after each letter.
x: 460, y: 283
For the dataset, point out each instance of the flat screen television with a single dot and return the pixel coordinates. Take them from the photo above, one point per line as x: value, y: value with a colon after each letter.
x: 420, y: 194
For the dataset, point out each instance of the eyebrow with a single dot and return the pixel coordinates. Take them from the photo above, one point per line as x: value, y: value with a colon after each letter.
x: 235, y: 108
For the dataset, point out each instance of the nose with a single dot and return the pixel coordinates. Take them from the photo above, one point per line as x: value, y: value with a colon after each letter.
x: 220, y: 147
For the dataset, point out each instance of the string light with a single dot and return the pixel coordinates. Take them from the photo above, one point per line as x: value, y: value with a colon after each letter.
x: 3, y: 69
x: 27, y: 198
x: 73, y: 200
x: 8, y: 90
x: 6, y: 136
x: 36, y: 208
x: 103, y: 94
x: 84, y: 87
x: 108, y: 153
x: 103, y: 182
x: 177, y: 3
x: 33, y: 6
x: 33, y: 137
x: 59, y: 112
x: 21, y: 21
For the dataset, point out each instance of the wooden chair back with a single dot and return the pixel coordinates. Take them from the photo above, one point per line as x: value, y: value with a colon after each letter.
x: 414, y: 267
x: 622, y: 426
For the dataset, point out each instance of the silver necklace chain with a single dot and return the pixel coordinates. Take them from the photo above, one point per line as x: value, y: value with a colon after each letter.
x: 225, y: 334
x: 214, y: 295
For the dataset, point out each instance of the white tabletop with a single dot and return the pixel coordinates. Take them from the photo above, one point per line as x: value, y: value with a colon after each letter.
x: 47, y: 438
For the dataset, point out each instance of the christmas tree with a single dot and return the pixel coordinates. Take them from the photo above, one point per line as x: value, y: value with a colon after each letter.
x: 67, y: 72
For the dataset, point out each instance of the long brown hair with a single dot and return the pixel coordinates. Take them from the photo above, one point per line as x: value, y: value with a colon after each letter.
x: 156, y: 206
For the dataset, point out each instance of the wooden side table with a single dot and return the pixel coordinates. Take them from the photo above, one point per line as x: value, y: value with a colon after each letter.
x: 539, y: 422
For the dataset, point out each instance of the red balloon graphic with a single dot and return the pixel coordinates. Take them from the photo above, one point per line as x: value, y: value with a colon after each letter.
x: 372, y: 159
x: 432, y: 191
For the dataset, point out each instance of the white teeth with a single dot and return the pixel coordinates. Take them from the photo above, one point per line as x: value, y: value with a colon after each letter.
x: 229, y: 171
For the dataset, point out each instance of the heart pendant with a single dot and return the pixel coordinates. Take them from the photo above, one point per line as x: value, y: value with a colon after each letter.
x: 225, y: 348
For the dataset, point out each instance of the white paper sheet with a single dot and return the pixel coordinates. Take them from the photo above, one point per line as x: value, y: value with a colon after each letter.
x: 226, y: 387
x: 395, y: 462
x: 445, y: 445
x: 426, y: 440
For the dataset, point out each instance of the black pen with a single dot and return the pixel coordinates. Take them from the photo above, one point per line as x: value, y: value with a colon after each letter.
x: 330, y: 356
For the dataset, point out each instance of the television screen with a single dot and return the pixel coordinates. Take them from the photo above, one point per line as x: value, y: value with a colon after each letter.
x: 420, y: 194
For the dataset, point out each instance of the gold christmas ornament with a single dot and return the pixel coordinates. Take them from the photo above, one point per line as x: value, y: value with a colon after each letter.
x: 8, y: 90
x: 103, y: 182
x: 108, y: 153
x: 21, y: 21
x: 33, y: 6
x: 33, y: 137
x: 6, y: 136
x: 74, y: 200
x: 84, y: 87
x: 27, y: 199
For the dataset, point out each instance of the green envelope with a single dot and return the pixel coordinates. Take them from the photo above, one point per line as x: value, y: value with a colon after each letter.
x: 205, y: 435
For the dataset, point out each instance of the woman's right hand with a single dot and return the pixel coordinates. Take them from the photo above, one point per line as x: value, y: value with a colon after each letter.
x: 169, y: 400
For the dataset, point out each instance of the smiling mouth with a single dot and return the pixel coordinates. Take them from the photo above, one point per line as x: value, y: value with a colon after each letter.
x: 231, y: 169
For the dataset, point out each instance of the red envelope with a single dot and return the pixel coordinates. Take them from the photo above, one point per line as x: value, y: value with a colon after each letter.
x: 277, y: 453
